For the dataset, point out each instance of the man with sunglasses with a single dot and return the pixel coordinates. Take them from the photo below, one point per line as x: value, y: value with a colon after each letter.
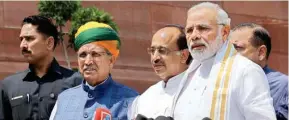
x: 169, y: 58
x: 219, y: 83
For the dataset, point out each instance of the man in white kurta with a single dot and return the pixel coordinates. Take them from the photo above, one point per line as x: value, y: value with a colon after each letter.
x: 157, y: 99
x: 169, y: 58
x: 219, y: 84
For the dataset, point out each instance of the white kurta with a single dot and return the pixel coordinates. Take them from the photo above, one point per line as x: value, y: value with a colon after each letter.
x: 227, y: 86
x: 156, y: 100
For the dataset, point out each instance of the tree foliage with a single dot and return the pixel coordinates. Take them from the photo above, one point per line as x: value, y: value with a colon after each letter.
x: 84, y: 15
x: 60, y: 11
x: 63, y: 11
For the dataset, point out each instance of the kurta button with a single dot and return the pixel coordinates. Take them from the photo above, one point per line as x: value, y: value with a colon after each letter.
x: 85, y: 115
x: 52, y: 95
x: 90, y: 95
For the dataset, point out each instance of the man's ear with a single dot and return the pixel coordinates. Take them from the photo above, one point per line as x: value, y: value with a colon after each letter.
x: 50, y: 43
x: 262, y: 51
x: 184, y: 56
x: 225, y: 32
x: 112, y: 61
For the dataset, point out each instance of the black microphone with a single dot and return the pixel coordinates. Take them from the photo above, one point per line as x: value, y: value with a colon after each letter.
x: 164, y: 118
x: 142, y: 117
x: 206, y: 118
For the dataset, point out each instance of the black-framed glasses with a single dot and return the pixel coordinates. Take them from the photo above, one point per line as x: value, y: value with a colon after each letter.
x: 161, y: 50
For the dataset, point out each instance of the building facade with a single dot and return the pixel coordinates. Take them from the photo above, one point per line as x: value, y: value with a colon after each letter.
x: 137, y: 22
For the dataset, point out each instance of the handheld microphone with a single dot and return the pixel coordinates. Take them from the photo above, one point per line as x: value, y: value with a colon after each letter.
x: 142, y: 117
x: 164, y: 118
x: 102, y: 114
x: 206, y: 118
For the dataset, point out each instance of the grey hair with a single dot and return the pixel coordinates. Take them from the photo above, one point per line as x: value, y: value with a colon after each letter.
x: 107, y: 52
x: 222, y: 17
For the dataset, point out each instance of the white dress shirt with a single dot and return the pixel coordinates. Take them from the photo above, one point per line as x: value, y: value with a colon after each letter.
x: 156, y: 100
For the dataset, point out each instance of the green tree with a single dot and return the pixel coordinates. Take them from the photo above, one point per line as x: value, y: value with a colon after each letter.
x: 84, y: 15
x: 61, y: 12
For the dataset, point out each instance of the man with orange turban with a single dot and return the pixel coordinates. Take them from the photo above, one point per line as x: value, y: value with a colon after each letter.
x: 97, y: 46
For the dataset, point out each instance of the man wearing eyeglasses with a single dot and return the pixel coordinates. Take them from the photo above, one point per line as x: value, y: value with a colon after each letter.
x: 169, y: 58
x: 97, y: 46
x: 219, y: 84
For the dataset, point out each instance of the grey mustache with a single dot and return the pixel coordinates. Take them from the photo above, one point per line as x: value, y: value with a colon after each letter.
x: 235, y: 46
x: 159, y: 64
x: 25, y: 51
x: 89, y: 68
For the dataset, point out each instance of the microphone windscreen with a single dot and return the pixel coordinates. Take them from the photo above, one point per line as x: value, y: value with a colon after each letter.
x: 170, y: 118
x: 102, y: 114
x: 164, y: 118
x: 206, y: 118
x: 141, y: 117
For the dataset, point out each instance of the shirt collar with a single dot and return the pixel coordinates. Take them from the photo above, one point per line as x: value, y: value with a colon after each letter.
x: 102, y: 87
x: 54, y: 67
x: 208, y: 63
x: 267, y: 69
x: 172, y: 84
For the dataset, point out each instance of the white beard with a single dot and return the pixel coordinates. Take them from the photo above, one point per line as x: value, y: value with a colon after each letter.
x: 210, y: 49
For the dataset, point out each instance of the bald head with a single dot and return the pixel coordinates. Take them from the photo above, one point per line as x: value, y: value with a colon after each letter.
x: 167, y: 36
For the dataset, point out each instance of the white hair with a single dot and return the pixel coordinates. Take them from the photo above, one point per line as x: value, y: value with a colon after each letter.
x: 211, y: 48
x: 222, y: 17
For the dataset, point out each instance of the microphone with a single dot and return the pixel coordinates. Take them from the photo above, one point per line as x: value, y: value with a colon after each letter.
x: 142, y: 117
x: 102, y: 114
x: 164, y: 118
x: 206, y: 118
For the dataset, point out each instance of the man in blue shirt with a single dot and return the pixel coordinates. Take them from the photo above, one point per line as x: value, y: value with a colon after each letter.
x: 97, y: 46
x: 254, y: 42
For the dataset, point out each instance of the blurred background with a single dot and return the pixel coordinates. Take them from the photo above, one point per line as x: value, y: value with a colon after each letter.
x: 137, y: 22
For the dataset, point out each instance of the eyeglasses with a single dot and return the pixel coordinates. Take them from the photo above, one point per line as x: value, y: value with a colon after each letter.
x: 94, y: 55
x: 161, y: 50
x: 201, y: 28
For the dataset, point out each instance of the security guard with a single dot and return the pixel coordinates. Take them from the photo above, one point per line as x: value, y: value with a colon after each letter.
x: 31, y: 94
